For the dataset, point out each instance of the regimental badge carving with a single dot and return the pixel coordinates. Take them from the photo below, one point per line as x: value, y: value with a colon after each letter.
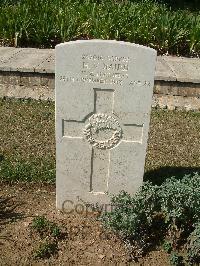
x: 103, y: 131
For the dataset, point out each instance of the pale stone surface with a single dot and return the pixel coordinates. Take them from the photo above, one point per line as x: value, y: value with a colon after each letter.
x: 163, y: 71
x: 172, y: 102
x: 176, y: 88
x: 24, y: 60
x: 185, y: 69
x: 48, y: 65
x: 32, y: 76
x: 103, y: 101
x: 6, y: 53
x: 168, y: 68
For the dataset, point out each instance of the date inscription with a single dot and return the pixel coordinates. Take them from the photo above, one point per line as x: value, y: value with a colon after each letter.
x: 99, y: 69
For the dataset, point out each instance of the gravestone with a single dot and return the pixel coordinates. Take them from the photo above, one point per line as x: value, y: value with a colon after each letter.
x: 103, y: 101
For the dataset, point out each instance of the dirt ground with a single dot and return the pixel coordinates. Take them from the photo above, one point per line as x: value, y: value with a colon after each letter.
x: 85, y: 241
x: 173, y: 150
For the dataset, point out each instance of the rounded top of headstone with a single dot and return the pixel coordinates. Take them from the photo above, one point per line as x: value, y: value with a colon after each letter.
x: 109, y: 42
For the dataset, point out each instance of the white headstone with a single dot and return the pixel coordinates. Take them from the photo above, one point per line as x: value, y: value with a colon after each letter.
x: 103, y: 101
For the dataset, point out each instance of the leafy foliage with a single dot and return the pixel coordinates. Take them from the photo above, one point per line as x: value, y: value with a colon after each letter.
x: 194, y: 246
x: 50, y: 233
x: 161, y: 212
x: 176, y: 260
x: 133, y: 217
x: 167, y: 246
x: 180, y: 201
x: 45, y: 228
x: 46, y: 250
x: 46, y: 23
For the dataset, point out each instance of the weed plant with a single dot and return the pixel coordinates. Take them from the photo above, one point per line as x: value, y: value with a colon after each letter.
x: 46, y: 250
x: 45, y: 228
x: 39, y: 23
x: 169, y: 214
x: 49, y: 233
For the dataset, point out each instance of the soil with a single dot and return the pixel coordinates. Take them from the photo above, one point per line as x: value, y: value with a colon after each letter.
x: 173, y: 150
x: 84, y: 241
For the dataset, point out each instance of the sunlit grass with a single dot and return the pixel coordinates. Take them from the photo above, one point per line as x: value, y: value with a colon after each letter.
x: 39, y: 23
x: 27, y: 137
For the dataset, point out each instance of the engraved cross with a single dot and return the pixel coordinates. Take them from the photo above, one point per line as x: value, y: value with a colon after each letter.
x: 103, y: 132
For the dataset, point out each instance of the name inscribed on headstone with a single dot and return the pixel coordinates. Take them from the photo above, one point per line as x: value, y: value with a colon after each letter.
x: 99, y: 69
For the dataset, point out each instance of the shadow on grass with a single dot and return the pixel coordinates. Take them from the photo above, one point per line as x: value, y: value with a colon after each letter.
x: 158, y: 176
x: 1, y: 157
x: 8, y: 214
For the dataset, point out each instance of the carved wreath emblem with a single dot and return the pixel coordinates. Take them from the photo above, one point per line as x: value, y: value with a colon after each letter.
x: 105, y: 126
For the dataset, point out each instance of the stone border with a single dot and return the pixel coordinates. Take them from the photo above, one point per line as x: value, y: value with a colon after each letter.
x: 27, y: 85
x: 176, y: 95
x: 30, y: 73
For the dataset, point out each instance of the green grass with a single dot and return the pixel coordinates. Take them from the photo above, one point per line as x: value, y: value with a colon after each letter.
x: 27, y: 151
x: 27, y: 137
x: 173, y: 148
x: 39, y: 23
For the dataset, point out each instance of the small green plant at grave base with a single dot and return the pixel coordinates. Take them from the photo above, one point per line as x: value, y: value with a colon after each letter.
x: 176, y: 260
x: 40, y: 224
x: 46, y: 228
x: 167, y: 246
x: 49, y: 233
x: 133, y: 216
x: 55, y: 230
x: 180, y: 202
x: 46, y: 250
x: 173, y: 208
x: 194, y: 246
